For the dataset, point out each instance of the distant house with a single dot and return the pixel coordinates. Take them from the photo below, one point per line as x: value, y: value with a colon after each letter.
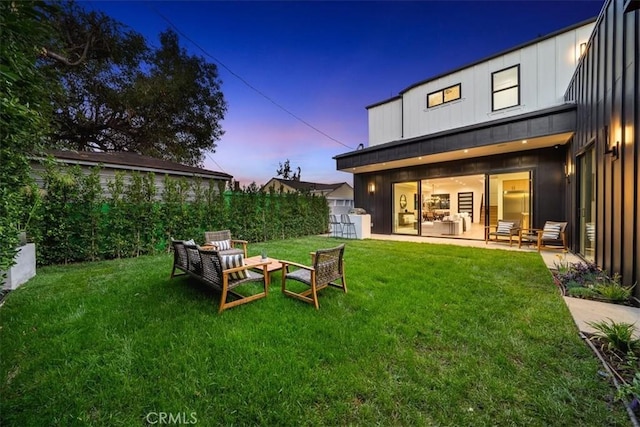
x: 113, y: 162
x: 339, y: 196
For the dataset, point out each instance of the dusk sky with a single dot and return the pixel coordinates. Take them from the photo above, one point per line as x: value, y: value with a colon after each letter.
x: 324, y: 62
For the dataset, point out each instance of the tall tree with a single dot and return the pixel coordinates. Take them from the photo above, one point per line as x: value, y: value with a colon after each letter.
x: 286, y: 173
x: 127, y: 96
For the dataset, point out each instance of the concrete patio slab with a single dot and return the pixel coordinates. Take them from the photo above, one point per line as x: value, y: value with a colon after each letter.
x: 584, y: 311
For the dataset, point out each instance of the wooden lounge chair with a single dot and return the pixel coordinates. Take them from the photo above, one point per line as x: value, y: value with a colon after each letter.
x: 551, y: 236
x: 223, y: 242
x: 505, y: 229
x: 327, y: 270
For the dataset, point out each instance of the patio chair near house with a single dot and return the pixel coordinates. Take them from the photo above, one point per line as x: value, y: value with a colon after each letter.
x: 222, y: 241
x: 503, y: 231
x: 327, y: 270
x: 551, y: 236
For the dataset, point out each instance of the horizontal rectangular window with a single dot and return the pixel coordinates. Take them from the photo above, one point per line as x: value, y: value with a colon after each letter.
x: 505, y: 88
x: 443, y: 96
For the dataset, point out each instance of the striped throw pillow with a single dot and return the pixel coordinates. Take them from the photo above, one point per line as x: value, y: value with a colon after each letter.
x: 232, y: 261
x: 221, y: 245
x: 504, y: 227
x: 551, y: 231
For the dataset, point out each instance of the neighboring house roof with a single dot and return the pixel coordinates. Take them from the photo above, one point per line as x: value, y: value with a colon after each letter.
x: 134, y: 161
x: 314, y: 187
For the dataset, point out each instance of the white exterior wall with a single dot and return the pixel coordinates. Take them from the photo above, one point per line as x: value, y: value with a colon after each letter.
x: 385, y: 122
x: 546, y: 68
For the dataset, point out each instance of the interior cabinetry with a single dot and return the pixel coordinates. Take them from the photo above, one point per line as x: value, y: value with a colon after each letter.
x: 516, y: 185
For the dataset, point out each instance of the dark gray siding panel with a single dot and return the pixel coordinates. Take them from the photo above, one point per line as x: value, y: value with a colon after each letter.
x: 548, y: 122
x: 605, y: 89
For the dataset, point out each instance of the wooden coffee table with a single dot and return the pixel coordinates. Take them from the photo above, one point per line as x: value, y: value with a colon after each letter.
x: 274, y: 264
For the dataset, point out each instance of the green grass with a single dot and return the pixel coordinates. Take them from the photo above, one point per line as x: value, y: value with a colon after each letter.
x: 427, y: 335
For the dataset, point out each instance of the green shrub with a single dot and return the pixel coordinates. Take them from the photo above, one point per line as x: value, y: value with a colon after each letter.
x: 77, y: 221
x: 614, y: 291
x: 630, y: 389
x: 618, y: 335
x: 580, y: 292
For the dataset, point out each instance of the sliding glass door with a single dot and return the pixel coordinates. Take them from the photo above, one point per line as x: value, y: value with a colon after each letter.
x: 587, y: 204
x: 406, y: 210
x: 510, y: 198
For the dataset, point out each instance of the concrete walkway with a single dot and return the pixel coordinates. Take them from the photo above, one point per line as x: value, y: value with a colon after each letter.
x: 582, y: 310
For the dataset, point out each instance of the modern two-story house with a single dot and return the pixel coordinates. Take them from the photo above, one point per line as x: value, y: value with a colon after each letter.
x: 544, y: 131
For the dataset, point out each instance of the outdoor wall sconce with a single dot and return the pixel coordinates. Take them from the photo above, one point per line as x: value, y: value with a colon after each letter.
x: 614, y: 150
x: 583, y: 48
x: 372, y: 189
x: 568, y: 171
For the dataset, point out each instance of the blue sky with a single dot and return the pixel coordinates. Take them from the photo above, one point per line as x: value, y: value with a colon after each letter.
x: 324, y: 62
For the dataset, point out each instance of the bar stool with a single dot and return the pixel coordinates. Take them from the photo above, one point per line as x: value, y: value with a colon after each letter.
x: 334, y: 226
x: 348, y: 227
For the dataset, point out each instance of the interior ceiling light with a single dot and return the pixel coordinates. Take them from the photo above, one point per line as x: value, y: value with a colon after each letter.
x: 466, y: 151
x: 524, y: 141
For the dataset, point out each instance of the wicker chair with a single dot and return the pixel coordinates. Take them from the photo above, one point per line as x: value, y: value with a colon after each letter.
x: 207, y: 266
x: 217, y: 236
x: 505, y: 229
x: 327, y: 270
x: 551, y: 236
x: 179, y: 258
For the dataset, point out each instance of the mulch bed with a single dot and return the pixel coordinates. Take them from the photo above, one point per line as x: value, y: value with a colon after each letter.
x: 622, y: 366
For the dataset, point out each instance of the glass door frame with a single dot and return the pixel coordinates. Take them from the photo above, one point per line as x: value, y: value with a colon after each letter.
x: 586, y: 215
x: 500, y: 191
x: 406, y: 212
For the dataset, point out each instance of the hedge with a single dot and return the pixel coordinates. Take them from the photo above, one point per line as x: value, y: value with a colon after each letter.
x: 75, y: 221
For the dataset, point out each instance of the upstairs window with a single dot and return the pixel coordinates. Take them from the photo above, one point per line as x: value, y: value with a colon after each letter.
x: 505, y: 88
x: 443, y: 96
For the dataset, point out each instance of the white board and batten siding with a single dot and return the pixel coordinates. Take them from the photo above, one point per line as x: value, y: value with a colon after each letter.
x: 546, y: 68
x: 385, y: 122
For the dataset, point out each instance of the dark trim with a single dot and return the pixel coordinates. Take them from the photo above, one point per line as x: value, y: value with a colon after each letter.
x: 442, y: 91
x: 631, y: 5
x: 525, y: 126
x: 386, y: 101
x: 494, y: 92
x: 586, y: 147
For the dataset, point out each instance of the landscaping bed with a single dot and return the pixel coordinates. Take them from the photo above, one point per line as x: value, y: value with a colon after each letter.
x: 614, y: 343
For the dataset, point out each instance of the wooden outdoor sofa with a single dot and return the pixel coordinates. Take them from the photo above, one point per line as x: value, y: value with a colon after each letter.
x: 219, y: 271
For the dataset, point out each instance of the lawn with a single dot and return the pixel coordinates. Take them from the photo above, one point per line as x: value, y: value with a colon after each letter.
x: 427, y: 335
